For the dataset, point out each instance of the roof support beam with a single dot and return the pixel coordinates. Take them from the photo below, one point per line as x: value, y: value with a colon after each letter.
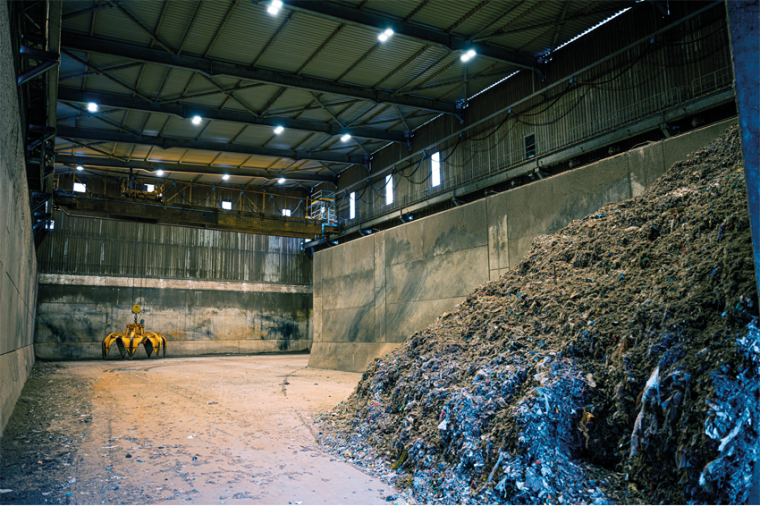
x: 352, y: 16
x: 106, y: 75
x: 211, y: 68
x: 560, y: 23
x: 96, y: 7
x: 185, y: 168
x: 188, y: 111
x: 174, y: 142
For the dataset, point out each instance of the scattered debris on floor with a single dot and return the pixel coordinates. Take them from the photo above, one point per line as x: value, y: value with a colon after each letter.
x: 79, y: 435
x: 619, y: 362
x: 49, y: 440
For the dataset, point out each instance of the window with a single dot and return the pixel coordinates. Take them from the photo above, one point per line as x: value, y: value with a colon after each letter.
x: 352, y: 206
x: 436, y: 168
x: 150, y: 188
x: 389, y: 189
x: 50, y: 225
x: 80, y: 187
x: 227, y: 205
x: 530, y: 146
x: 286, y: 212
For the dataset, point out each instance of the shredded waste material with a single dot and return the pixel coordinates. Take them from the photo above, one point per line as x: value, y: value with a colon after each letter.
x: 619, y: 362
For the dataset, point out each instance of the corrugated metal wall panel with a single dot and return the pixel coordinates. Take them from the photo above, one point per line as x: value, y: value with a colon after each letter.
x: 116, y: 248
x: 691, y: 60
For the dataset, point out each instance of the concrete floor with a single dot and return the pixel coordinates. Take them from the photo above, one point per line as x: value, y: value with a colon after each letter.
x: 207, y: 430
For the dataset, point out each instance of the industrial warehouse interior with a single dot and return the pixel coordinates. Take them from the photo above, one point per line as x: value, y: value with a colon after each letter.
x: 379, y: 252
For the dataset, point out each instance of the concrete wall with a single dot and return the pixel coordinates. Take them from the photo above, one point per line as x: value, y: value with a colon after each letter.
x: 18, y: 266
x: 207, y: 291
x: 372, y: 293
x: 197, y: 317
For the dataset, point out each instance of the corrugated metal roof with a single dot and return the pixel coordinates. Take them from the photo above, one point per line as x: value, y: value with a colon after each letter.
x: 248, y: 35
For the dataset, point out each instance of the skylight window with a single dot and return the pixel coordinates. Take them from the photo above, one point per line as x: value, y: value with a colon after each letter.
x: 227, y: 205
x: 389, y: 189
x: 436, y: 169
x: 593, y: 28
x: 80, y: 187
x: 425, y: 123
x: 352, y: 206
x: 494, y: 84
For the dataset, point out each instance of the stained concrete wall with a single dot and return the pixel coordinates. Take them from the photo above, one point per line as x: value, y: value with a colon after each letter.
x: 207, y: 291
x: 18, y: 266
x: 372, y: 293
x: 197, y: 317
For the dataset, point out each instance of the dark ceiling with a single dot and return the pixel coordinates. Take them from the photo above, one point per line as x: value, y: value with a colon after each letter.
x: 316, y: 69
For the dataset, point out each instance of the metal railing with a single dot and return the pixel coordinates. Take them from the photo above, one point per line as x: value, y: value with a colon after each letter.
x: 488, y: 159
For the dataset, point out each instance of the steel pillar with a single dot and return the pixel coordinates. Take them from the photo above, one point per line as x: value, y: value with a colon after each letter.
x: 744, y: 22
x: 744, y: 27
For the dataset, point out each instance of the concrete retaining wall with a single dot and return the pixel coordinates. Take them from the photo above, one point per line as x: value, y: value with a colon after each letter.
x: 372, y: 293
x: 207, y: 291
x: 76, y: 312
x: 18, y: 266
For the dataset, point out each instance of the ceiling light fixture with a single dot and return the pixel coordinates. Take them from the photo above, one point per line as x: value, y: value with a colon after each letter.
x: 385, y: 35
x: 197, y: 120
x: 160, y: 172
x: 79, y: 167
x: 274, y: 7
x: 279, y: 130
x: 92, y: 107
x: 345, y: 137
x: 281, y: 180
x: 468, y: 55
x: 225, y: 177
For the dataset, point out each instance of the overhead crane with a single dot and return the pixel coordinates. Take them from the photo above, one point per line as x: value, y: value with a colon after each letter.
x: 135, y: 203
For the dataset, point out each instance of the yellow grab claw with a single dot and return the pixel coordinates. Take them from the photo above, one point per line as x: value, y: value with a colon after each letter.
x: 128, y: 342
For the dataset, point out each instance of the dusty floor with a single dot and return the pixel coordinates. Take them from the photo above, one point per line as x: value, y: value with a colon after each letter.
x: 209, y: 430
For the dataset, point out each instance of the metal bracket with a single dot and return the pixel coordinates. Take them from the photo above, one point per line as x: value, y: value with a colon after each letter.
x: 542, y: 75
x: 38, y: 54
x: 408, y: 139
x: 32, y: 73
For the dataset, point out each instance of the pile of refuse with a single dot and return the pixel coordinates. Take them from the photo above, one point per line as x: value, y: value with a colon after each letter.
x: 619, y: 362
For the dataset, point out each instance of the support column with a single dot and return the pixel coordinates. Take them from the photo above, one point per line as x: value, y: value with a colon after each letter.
x: 744, y: 22
x: 744, y: 25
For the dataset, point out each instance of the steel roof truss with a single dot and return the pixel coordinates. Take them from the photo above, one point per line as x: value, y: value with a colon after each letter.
x: 211, y: 68
x: 187, y: 111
